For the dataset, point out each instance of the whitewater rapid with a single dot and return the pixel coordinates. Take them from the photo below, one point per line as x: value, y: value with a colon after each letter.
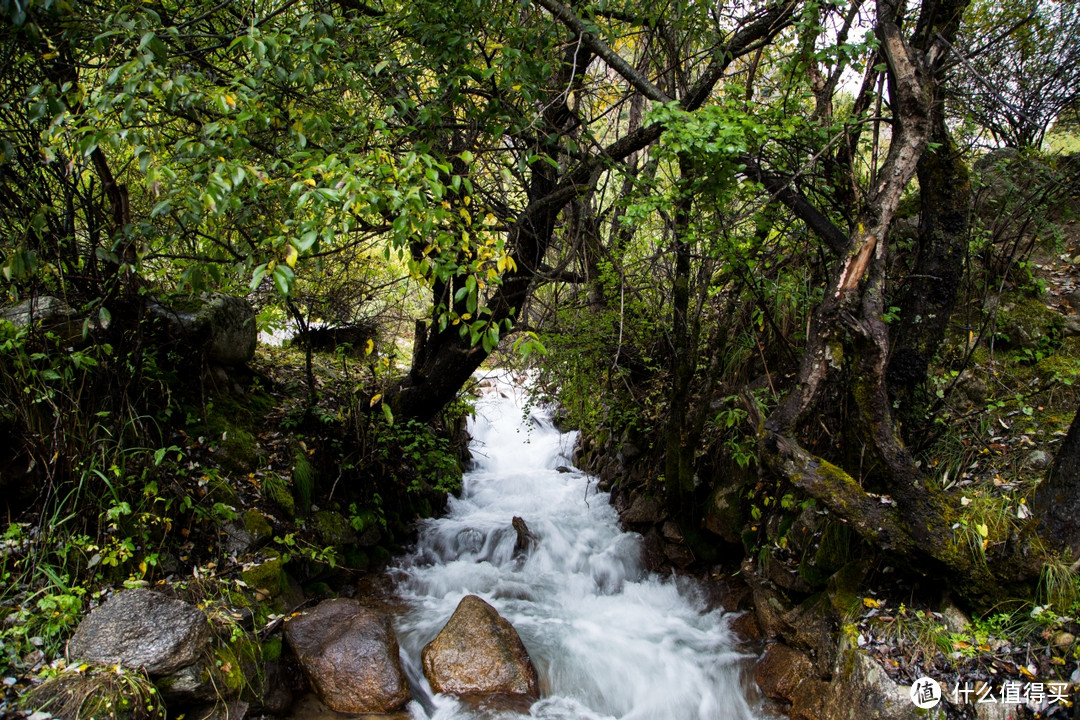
x: 608, y: 639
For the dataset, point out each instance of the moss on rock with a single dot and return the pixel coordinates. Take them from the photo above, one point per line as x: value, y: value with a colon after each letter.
x: 333, y: 529
x: 303, y: 476
x: 268, y: 576
x: 276, y: 489
x: 257, y: 526
x: 1029, y: 325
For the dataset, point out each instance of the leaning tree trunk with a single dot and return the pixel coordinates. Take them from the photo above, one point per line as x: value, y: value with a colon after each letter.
x: 447, y: 360
x: 848, y: 326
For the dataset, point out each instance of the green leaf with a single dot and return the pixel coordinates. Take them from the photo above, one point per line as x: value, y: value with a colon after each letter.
x: 283, y: 279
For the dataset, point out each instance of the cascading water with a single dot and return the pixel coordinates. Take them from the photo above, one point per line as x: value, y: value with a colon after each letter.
x: 608, y: 640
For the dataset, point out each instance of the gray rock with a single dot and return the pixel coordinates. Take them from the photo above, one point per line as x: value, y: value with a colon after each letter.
x: 189, y: 685
x: 235, y: 710
x: 49, y: 314
x: 995, y: 711
x: 223, y: 326
x: 44, y: 309
x: 955, y: 619
x: 723, y: 513
x: 238, y: 540
x: 142, y: 629
x: 349, y: 654
x: 1038, y: 460
x: 1071, y: 327
x: 781, y: 670
x: 857, y: 675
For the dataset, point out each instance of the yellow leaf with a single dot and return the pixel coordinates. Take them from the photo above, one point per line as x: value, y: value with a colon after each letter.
x: 49, y: 55
x: 377, y: 397
x: 467, y: 200
x: 870, y: 602
x: 370, y: 347
x: 290, y: 256
x: 230, y: 100
x: 983, y: 530
x: 465, y: 213
x: 309, y: 182
x: 1026, y: 673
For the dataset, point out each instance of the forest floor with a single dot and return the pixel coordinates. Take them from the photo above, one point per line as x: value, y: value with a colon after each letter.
x: 1012, y: 408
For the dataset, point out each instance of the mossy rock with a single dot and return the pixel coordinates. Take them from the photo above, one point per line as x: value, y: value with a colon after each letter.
x: 230, y: 671
x: 303, y: 477
x: 271, y: 649
x: 357, y: 559
x: 1063, y: 364
x: 333, y: 529
x: 845, y: 587
x: 231, y: 426
x: 380, y: 555
x: 1028, y: 324
x: 268, y: 576
x: 258, y: 526
x: 368, y: 527
x: 703, y: 547
x: 316, y: 589
x: 237, y: 450
x: 276, y: 489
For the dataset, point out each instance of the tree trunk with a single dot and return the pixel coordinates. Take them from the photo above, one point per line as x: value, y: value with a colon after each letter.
x: 679, y: 458
x: 448, y: 359
x: 848, y: 327
x: 1057, y: 499
x: 929, y: 295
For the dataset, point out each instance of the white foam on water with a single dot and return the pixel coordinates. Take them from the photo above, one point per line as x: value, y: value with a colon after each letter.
x: 608, y: 639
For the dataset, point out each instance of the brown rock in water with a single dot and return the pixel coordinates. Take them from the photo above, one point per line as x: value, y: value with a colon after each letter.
x: 478, y: 651
x: 525, y: 538
x: 350, y: 656
x: 810, y: 700
x: 644, y: 509
x: 781, y: 670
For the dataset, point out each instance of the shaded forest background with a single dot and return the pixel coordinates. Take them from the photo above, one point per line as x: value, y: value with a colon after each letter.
x: 778, y: 261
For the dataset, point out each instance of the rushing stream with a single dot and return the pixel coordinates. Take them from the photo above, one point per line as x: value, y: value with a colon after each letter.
x: 608, y: 639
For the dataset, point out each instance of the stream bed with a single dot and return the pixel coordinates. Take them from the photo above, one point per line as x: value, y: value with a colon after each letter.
x: 608, y: 639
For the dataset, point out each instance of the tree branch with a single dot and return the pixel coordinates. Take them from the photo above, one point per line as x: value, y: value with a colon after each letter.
x: 782, y: 190
x: 567, y: 17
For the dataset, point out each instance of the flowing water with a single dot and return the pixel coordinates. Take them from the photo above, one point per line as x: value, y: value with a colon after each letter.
x: 608, y: 639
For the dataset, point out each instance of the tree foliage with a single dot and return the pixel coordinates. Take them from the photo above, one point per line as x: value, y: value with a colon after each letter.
x: 701, y: 193
x: 1017, y: 68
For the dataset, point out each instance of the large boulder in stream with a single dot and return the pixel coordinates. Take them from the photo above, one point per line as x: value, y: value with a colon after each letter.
x: 479, y: 652
x: 349, y: 654
x: 142, y: 629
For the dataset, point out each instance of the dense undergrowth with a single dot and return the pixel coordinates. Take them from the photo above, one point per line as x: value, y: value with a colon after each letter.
x: 984, y: 427
x: 132, y: 466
